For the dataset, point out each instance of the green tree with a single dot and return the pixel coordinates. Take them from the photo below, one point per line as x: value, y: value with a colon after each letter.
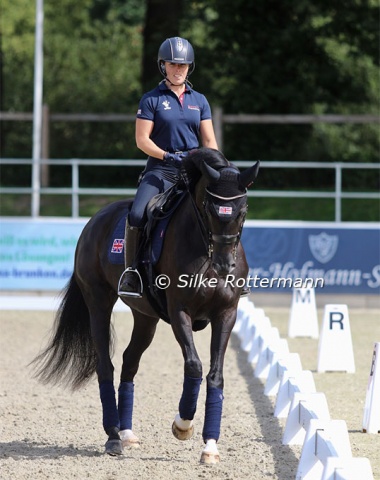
x: 161, y: 21
x: 267, y: 56
x: 92, y: 63
x: 282, y: 57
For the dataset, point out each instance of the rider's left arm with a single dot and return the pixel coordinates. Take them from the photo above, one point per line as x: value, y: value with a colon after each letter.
x: 207, y: 134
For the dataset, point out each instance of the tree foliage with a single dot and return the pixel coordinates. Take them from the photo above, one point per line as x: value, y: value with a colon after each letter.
x: 281, y: 57
x: 161, y: 21
x: 266, y: 56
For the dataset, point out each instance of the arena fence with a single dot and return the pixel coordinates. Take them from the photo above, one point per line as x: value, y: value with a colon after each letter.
x: 75, y: 190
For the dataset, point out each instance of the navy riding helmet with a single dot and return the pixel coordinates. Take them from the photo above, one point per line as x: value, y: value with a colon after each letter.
x: 176, y: 50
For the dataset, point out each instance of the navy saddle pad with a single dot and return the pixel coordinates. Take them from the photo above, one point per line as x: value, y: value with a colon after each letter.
x: 116, y: 244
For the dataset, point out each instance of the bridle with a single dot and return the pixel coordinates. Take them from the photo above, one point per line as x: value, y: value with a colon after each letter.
x: 223, y: 239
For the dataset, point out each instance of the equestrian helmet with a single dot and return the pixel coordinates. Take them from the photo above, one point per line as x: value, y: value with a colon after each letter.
x: 176, y: 50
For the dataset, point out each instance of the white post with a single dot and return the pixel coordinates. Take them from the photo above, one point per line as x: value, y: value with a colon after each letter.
x: 371, y: 417
x: 37, y: 108
x: 338, y: 192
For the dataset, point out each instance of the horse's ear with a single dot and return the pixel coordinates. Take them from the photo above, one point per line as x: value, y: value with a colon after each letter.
x: 248, y: 176
x: 210, y: 173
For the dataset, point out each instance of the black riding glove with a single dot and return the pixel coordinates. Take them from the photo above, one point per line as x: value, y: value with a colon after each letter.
x: 174, y: 159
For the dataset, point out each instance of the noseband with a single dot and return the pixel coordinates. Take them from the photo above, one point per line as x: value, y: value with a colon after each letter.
x: 219, y: 238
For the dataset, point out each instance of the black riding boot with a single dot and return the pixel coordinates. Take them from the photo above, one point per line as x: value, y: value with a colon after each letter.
x: 130, y: 283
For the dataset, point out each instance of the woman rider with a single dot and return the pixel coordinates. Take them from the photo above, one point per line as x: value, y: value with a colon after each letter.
x: 170, y: 120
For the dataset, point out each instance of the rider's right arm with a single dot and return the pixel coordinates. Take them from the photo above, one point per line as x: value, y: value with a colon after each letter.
x: 143, y: 131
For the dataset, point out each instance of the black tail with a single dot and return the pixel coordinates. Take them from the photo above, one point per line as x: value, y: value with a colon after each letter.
x: 70, y: 357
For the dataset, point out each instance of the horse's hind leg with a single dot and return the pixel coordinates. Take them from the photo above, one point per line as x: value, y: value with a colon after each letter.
x: 100, y: 304
x: 142, y: 335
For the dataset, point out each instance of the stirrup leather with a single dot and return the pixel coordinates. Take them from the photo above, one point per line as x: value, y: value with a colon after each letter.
x: 139, y: 289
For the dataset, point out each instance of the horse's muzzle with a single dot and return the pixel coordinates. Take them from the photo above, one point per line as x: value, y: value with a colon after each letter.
x: 223, y: 267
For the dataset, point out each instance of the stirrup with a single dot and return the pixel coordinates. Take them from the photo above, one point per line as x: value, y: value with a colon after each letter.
x: 139, y: 287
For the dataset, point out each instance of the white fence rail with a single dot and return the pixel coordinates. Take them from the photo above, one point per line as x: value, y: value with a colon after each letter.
x: 75, y: 190
x: 220, y: 119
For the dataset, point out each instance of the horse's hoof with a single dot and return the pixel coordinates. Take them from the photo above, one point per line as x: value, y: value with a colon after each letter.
x: 129, y: 439
x: 182, y: 434
x: 114, y: 447
x: 209, y: 458
x: 131, y: 443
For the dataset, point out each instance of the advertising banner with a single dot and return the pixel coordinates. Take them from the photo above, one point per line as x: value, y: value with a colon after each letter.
x: 37, y: 254
x: 336, y: 257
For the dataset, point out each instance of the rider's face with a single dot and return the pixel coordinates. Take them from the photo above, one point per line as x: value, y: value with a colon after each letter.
x: 176, y: 72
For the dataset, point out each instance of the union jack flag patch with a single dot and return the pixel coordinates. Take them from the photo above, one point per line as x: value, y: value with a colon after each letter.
x: 225, y: 210
x: 117, y: 246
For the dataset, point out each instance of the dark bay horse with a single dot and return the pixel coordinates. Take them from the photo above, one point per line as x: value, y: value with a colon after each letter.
x: 204, y: 267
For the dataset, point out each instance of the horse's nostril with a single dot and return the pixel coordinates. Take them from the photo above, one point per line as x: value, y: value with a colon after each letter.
x: 223, y: 270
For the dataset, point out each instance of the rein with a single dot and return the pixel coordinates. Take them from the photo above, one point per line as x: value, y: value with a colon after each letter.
x: 200, y: 222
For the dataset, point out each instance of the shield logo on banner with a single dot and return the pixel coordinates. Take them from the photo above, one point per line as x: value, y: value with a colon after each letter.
x: 323, y: 246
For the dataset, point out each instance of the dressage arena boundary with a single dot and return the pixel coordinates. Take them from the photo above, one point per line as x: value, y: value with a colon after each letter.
x: 326, y: 450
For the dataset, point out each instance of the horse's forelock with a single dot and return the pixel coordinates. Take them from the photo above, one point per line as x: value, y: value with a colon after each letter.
x: 228, y: 184
x: 213, y: 158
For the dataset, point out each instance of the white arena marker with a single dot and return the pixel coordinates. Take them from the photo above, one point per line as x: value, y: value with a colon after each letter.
x: 278, y: 353
x: 304, y: 407
x: 338, y: 468
x: 292, y: 382
x: 371, y: 417
x: 335, y: 352
x: 324, y: 439
x: 303, y: 319
x: 262, y: 325
x: 268, y: 338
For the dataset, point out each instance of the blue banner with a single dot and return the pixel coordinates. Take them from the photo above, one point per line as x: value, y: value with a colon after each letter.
x: 340, y: 258
x: 37, y: 254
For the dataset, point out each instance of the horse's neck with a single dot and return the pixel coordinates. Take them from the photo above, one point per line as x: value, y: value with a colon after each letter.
x: 189, y: 220
x: 199, y: 194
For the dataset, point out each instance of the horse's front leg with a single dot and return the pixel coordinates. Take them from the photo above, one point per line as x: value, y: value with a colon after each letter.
x: 182, y: 427
x: 143, y: 333
x: 221, y: 330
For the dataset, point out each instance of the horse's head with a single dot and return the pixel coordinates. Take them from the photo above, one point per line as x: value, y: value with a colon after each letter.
x: 222, y: 200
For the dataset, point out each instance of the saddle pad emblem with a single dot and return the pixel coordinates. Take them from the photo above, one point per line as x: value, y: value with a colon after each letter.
x: 117, y: 245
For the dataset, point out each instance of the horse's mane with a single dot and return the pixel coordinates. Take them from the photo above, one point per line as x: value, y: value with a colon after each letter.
x: 192, y: 163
